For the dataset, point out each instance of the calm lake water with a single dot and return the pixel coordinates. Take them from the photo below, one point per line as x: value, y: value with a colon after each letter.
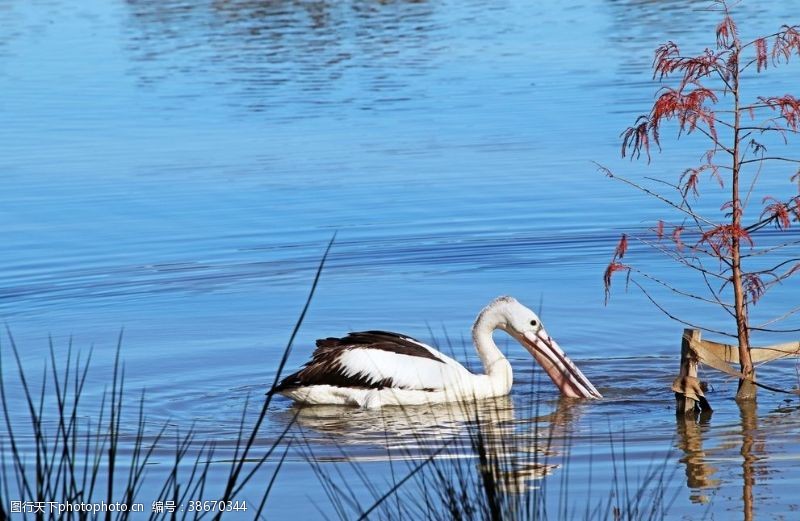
x: 175, y: 168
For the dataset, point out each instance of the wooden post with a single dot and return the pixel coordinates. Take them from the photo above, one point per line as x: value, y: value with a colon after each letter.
x: 684, y: 404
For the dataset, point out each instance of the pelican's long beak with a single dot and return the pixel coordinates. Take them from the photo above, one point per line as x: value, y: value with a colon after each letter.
x: 567, y: 377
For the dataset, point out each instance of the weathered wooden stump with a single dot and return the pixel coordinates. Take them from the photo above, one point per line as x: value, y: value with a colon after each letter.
x: 689, y: 395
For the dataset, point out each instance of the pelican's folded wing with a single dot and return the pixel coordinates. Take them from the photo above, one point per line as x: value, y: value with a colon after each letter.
x: 375, y: 360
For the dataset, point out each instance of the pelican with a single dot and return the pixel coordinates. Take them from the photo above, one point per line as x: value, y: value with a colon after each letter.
x: 372, y: 369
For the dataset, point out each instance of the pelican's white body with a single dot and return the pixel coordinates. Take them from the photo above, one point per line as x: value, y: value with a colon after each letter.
x: 448, y: 381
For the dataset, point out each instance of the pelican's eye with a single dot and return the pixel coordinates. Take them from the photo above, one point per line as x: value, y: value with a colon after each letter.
x: 534, y: 323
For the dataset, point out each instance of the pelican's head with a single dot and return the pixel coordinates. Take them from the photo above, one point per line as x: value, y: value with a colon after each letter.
x: 524, y: 325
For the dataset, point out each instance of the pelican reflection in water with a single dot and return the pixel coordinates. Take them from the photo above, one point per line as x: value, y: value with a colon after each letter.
x: 523, y: 447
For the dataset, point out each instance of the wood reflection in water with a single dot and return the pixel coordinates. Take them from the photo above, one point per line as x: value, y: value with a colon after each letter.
x: 750, y: 445
x: 700, y: 475
x: 690, y: 429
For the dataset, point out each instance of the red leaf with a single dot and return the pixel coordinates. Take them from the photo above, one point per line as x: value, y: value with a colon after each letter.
x: 676, y: 237
x: 788, y: 106
x: 726, y: 32
x: 697, y: 67
x: 777, y: 211
x: 722, y: 239
x: 689, y: 108
x: 734, y: 208
x: 786, y: 41
x: 753, y: 286
x: 622, y: 247
x: 666, y: 59
x: 761, y: 54
x: 660, y: 230
x: 636, y: 138
x: 612, y: 268
x: 691, y: 176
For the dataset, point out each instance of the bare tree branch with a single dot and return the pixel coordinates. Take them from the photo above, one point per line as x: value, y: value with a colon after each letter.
x: 775, y: 330
x: 675, y: 318
x: 678, y: 291
x: 679, y: 258
x: 760, y: 159
x: 773, y: 269
x: 771, y: 249
x: 786, y: 315
x: 661, y: 198
x: 753, y: 184
x: 771, y: 129
x: 714, y: 140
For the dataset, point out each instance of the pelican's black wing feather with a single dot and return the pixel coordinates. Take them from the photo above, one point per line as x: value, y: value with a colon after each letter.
x: 325, y: 367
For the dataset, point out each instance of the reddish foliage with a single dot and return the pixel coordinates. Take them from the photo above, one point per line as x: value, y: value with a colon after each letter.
x: 786, y: 41
x: 676, y: 237
x: 622, y: 247
x: 726, y: 33
x: 731, y: 65
x: 734, y: 208
x: 761, y: 54
x: 722, y: 239
x: 612, y: 268
x: 666, y: 60
x: 701, y: 66
x: 688, y: 108
x: 789, y: 107
x: 777, y: 211
x: 691, y: 177
x: 692, y: 104
x: 753, y: 286
x: 715, y: 173
x: 636, y: 138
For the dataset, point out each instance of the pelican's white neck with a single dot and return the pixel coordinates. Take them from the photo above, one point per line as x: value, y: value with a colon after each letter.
x: 493, y: 360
